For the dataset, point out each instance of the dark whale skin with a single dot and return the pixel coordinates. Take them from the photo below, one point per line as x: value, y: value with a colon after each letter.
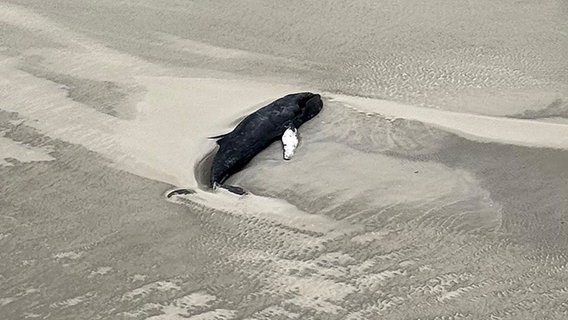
x: 257, y: 131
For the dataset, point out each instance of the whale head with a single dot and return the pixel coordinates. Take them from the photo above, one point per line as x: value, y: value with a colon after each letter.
x: 310, y: 105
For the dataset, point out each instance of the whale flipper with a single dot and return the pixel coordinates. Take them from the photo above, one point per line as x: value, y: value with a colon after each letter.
x: 220, y: 136
x: 234, y: 189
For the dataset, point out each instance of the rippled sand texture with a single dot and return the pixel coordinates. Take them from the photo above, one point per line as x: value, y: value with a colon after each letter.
x: 387, y: 211
x: 482, y: 56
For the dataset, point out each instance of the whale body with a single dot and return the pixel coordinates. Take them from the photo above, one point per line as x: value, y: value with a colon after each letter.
x: 257, y: 131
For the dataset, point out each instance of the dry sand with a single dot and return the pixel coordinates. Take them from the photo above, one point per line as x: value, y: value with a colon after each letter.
x: 433, y: 185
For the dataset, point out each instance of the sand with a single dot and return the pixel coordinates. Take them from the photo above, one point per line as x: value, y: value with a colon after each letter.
x: 477, y: 127
x: 431, y: 186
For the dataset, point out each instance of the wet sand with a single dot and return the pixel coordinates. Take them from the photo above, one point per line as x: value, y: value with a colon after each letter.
x: 431, y: 186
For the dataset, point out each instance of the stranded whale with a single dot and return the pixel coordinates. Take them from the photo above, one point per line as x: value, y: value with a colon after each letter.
x: 258, y: 130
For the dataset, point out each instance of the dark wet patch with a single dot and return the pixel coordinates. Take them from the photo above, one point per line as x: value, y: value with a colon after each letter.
x: 375, y: 133
x: 15, y: 40
x: 557, y: 109
x: 530, y: 184
x: 202, y: 169
x: 103, y: 96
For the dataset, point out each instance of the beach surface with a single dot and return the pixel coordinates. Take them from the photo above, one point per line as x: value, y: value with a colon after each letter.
x: 432, y: 185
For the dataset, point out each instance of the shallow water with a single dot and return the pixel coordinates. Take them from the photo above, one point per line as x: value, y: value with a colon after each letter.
x: 377, y: 216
